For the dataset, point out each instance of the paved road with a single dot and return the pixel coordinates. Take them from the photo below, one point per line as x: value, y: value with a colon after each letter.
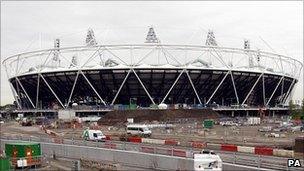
x: 233, y: 167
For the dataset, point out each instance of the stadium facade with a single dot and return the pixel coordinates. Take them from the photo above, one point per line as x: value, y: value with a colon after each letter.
x: 151, y: 73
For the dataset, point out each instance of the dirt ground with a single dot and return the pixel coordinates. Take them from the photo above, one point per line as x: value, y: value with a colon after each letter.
x: 183, y: 131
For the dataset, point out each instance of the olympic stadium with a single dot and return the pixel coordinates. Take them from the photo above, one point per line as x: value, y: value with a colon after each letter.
x: 150, y: 74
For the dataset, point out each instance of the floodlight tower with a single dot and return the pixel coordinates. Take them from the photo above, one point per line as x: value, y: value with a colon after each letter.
x: 247, y: 47
x: 246, y: 44
x: 151, y: 36
x: 210, y: 41
x: 90, y: 39
x: 56, y: 52
x: 74, y: 61
x: 258, y: 57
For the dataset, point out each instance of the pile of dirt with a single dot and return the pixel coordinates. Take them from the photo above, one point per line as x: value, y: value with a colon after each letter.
x: 115, y: 117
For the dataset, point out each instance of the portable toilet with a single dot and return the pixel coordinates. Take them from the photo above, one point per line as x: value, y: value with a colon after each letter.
x: 208, y: 123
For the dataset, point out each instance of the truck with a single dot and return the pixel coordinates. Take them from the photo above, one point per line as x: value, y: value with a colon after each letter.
x: 93, y: 135
x: 138, y: 130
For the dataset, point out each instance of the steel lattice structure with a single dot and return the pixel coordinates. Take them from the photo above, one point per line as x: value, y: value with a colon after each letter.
x: 151, y: 73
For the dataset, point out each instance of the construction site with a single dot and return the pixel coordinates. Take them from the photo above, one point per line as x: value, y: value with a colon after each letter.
x: 115, y: 107
x: 192, y: 130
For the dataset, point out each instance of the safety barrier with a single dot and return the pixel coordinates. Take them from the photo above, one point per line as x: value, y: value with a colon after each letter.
x: 135, y: 139
x: 58, y: 140
x: 108, y: 137
x: 110, y: 145
x: 214, y: 146
x: 179, y: 153
x: 245, y: 149
x: 197, y: 144
x: 152, y: 141
x: 283, y: 153
x: 263, y: 151
x: 260, y: 161
x: 147, y: 149
x: 171, y: 142
x: 228, y: 147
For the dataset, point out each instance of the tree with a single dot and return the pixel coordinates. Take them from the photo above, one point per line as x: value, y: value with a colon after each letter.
x: 302, y: 113
x: 291, y: 107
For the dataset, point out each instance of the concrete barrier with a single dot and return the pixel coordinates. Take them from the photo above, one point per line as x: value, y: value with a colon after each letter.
x: 147, y: 149
x: 171, y: 142
x: 283, y: 153
x: 128, y: 158
x: 179, y: 153
x: 214, y: 146
x: 197, y: 144
x: 263, y: 151
x: 58, y: 140
x: 108, y: 137
x: 245, y: 149
x: 135, y: 139
x: 110, y: 145
x: 228, y: 147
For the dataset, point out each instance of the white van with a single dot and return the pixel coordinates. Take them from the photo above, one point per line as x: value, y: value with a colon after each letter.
x: 93, y: 135
x: 207, y: 160
x: 141, y: 130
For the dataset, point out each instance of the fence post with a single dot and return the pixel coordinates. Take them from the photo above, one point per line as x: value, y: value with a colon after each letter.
x: 259, y: 161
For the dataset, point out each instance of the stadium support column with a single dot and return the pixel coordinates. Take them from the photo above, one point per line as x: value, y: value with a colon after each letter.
x: 247, y: 113
x: 28, y: 97
x: 288, y: 91
x: 85, y: 77
x: 143, y: 86
x: 193, y: 87
x: 47, y: 84
x: 217, y: 87
x: 15, y: 95
x: 264, y: 96
x: 173, y: 85
x: 273, y: 113
x: 37, y: 91
x: 234, y: 88
x: 275, y: 90
x: 122, y: 84
x: 252, y: 88
x: 71, y: 94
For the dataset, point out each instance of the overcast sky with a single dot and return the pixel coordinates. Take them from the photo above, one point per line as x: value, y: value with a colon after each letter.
x: 280, y: 24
